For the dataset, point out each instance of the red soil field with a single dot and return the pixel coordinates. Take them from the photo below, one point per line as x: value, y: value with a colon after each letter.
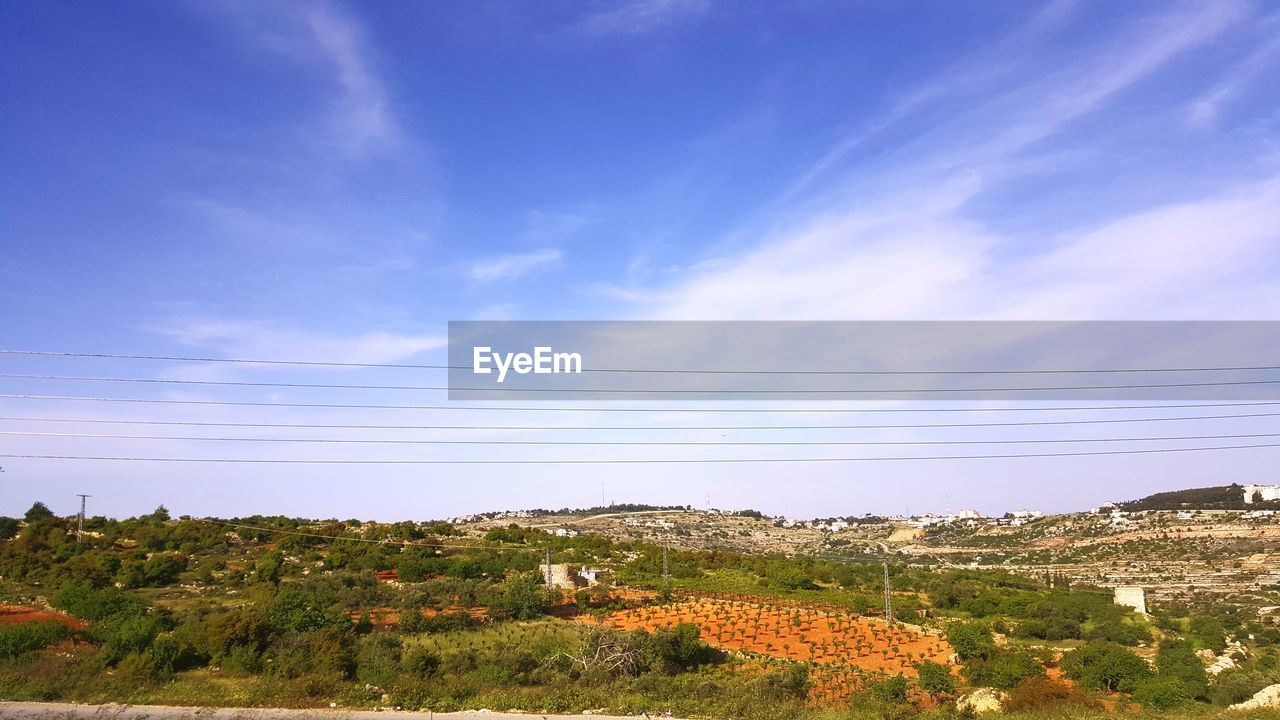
x: 18, y: 614
x: 842, y: 648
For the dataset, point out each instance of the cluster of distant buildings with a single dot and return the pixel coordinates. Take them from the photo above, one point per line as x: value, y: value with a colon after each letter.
x: 1260, y: 493
x: 502, y: 515
x: 969, y: 517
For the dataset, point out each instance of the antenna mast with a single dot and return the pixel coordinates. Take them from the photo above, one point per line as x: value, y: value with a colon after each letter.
x: 80, y: 522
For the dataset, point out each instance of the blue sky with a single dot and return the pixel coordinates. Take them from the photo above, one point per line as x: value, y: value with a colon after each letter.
x: 336, y: 181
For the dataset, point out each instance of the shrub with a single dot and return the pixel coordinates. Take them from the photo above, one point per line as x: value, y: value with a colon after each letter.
x: 302, y: 610
x: 971, y: 640
x: 1160, y: 692
x: 1178, y: 660
x: 1038, y: 693
x: 1004, y: 669
x: 523, y: 597
x: 792, y: 683
x: 790, y: 578
x: 935, y: 678
x: 378, y: 661
x: 18, y: 640
x: 241, y: 659
x: 679, y: 648
x: 175, y: 651
x: 163, y: 568
x: 86, y: 602
x: 420, y: 662
x: 327, y: 651
x: 1105, y: 666
x: 1118, y: 632
x: 891, y: 690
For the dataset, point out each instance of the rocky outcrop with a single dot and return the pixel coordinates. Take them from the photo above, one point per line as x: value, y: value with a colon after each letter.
x: 1267, y: 697
x: 982, y: 700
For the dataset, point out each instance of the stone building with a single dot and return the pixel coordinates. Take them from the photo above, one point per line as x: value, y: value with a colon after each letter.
x: 1132, y: 596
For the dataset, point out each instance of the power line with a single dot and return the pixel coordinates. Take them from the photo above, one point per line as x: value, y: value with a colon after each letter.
x: 430, y: 366
x: 644, y: 461
x: 326, y: 426
x: 539, y: 408
x: 624, y: 391
x: 672, y: 443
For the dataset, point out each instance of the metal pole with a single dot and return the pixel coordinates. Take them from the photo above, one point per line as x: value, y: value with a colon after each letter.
x: 80, y: 522
x: 666, y: 570
x: 549, y: 587
x: 888, y: 599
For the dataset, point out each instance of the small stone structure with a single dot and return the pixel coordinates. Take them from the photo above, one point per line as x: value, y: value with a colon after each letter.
x: 567, y: 577
x: 1132, y: 596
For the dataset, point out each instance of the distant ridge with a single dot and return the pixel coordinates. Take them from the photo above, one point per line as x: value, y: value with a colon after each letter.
x: 1222, y: 497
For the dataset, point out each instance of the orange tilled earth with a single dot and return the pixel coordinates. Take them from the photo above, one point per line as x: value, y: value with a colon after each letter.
x: 17, y: 614
x: 843, y: 647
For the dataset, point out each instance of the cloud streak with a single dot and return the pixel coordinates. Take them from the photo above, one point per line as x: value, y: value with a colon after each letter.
x: 640, y: 17
x: 902, y: 237
x: 359, y: 121
x: 512, y: 266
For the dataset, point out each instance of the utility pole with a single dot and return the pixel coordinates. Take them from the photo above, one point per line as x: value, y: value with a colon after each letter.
x: 666, y: 570
x: 888, y: 599
x: 550, y: 591
x: 80, y: 524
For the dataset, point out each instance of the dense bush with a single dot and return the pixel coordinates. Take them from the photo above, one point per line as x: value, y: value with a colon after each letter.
x: 1105, y: 666
x: 378, y: 662
x: 18, y: 640
x: 971, y: 640
x: 1178, y: 661
x: 1003, y: 669
x: 1160, y: 692
x: 1041, y: 693
x: 891, y: 690
x: 299, y: 610
x: 523, y: 597
x: 935, y: 678
x: 88, y: 603
x: 675, y: 649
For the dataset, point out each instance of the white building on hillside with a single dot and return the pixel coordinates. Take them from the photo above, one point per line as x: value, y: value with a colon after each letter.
x: 1265, y: 493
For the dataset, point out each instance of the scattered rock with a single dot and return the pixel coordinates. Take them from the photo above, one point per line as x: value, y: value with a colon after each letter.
x: 982, y: 700
x: 1267, y: 697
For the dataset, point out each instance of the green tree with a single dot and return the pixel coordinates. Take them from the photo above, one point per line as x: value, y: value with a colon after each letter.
x: 378, y: 661
x: 1003, y: 669
x: 38, y: 511
x: 302, y: 610
x: 1102, y: 665
x: 971, y: 640
x: 163, y: 568
x: 523, y: 597
x: 1178, y: 660
x: 1160, y: 692
x: 935, y: 678
x: 892, y: 690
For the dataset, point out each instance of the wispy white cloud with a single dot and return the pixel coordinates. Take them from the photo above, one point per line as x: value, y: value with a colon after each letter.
x: 995, y: 113
x: 512, y: 266
x: 497, y: 311
x: 360, y: 120
x: 1205, y: 109
x: 549, y: 226
x: 900, y: 239
x: 638, y: 17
